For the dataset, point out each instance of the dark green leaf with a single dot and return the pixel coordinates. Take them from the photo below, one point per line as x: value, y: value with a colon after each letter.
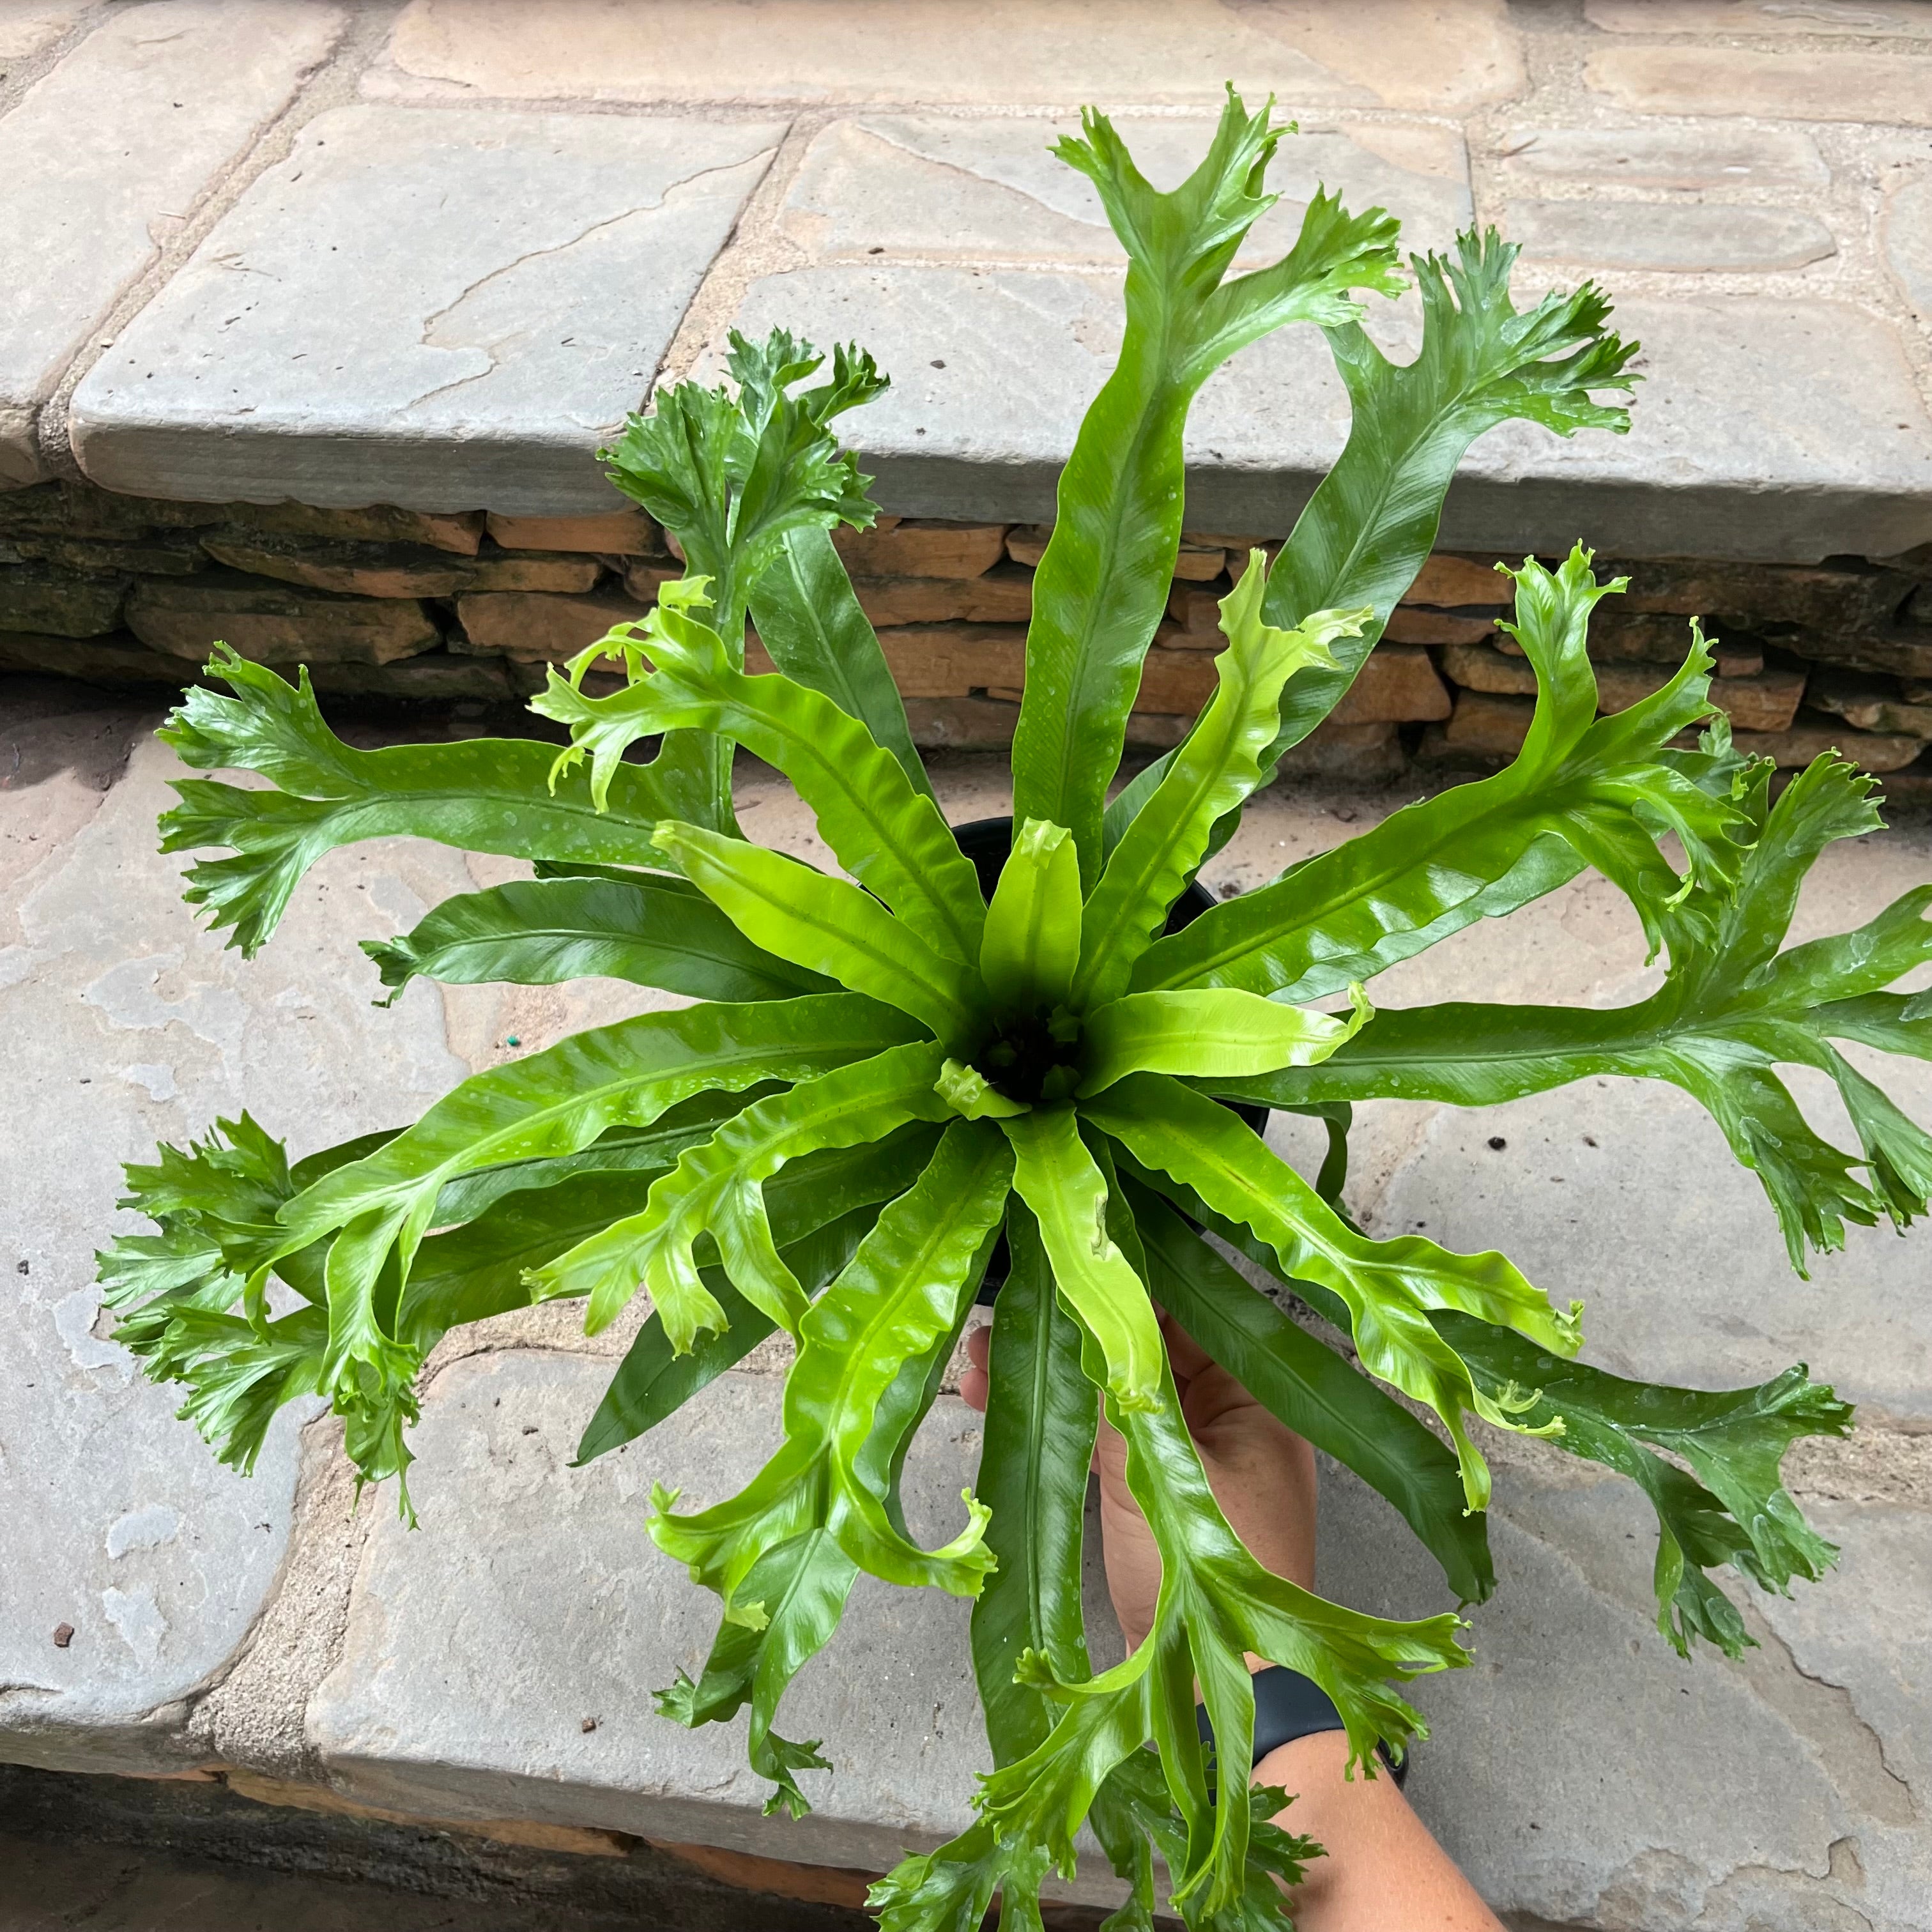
x: 539, y: 932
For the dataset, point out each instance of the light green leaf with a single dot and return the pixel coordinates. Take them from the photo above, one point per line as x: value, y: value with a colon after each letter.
x: 1218, y: 766
x: 1483, y: 849
x: 483, y: 795
x: 1209, y: 1033
x: 1056, y: 1178
x: 1372, y: 520
x: 1102, y: 583
x: 716, y: 1189
x: 1316, y: 1393
x: 1732, y: 1006
x: 1388, y: 1287
x: 540, y: 932
x: 1031, y: 944
x: 732, y: 479
x: 890, y: 837
x: 828, y: 926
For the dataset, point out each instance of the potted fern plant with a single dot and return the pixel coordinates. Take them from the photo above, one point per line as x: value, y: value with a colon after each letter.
x: 881, y: 1076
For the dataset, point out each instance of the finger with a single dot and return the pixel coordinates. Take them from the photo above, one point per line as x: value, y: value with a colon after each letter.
x: 975, y: 1386
x: 979, y: 1345
x: 1187, y: 1354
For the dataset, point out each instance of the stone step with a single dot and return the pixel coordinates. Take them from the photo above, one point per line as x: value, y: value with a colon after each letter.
x: 496, y: 1663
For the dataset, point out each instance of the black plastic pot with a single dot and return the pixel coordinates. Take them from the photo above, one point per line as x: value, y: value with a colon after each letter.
x: 986, y: 841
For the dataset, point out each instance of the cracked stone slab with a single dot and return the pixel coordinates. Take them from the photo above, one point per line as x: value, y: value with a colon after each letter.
x: 126, y: 1025
x: 1458, y: 54
x: 991, y: 189
x: 1687, y: 238
x: 470, y: 1663
x: 442, y: 309
x: 185, y: 85
x: 993, y: 367
x: 1582, y: 1774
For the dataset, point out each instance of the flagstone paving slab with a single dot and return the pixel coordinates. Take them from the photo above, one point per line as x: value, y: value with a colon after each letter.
x: 81, y: 217
x: 1458, y: 54
x: 516, y: 279
x: 127, y: 1025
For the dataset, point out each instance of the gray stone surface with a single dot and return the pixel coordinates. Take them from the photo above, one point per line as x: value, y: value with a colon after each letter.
x: 1457, y: 54
x: 1840, y: 462
x: 125, y: 1025
x: 83, y: 214
x: 1584, y: 1775
x: 442, y: 310
x: 1688, y: 238
x: 1723, y: 155
x: 26, y: 26
x: 1907, y: 231
x: 568, y: 1611
x: 990, y: 189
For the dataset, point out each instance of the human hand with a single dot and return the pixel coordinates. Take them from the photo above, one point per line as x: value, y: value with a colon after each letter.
x: 1262, y: 1474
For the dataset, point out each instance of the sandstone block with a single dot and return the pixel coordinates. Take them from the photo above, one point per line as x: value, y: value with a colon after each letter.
x: 33, y: 598
x: 1793, y: 86
x: 1482, y: 667
x: 1396, y: 683
x: 1490, y: 727
x: 1906, y: 230
x: 536, y: 628
x: 161, y: 555
x: 118, y: 658
x: 436, y: 677
x: 1862, y: 601
x: 397, y: 570
x: 644, y: 574
x: 1027, y: 543
x: 1686, y: 237
x: 988, y: 188
x: 1762, y: 18
x: 1901, y: 655
x: 83, y: 218
x: 1449, y: 582
x: 1869, y: 703
x: 923, y: 549
x: 1004, y: 53
x: 358, y: 570
x: 962, y: 723
x: 69, y: 508
x: 1810, y: 735
x: 1197, y: 611
x: 1004, y: 595
x: 459, y: 532
x: 275, y: 623
x: 517, y: 278
x: 1369, y: 754
x: 1416, y: 624
x: 950, y: 660
x: 616, y: 533
x: 1713, y: 155
x: 1636, y: 637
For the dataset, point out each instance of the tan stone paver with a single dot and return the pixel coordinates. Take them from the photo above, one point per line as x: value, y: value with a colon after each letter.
x: 105, y: 159
x: 1793, y: 86
x: 1455, y: 54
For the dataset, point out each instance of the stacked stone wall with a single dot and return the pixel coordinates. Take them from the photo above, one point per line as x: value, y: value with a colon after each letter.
x: 402, y: 604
